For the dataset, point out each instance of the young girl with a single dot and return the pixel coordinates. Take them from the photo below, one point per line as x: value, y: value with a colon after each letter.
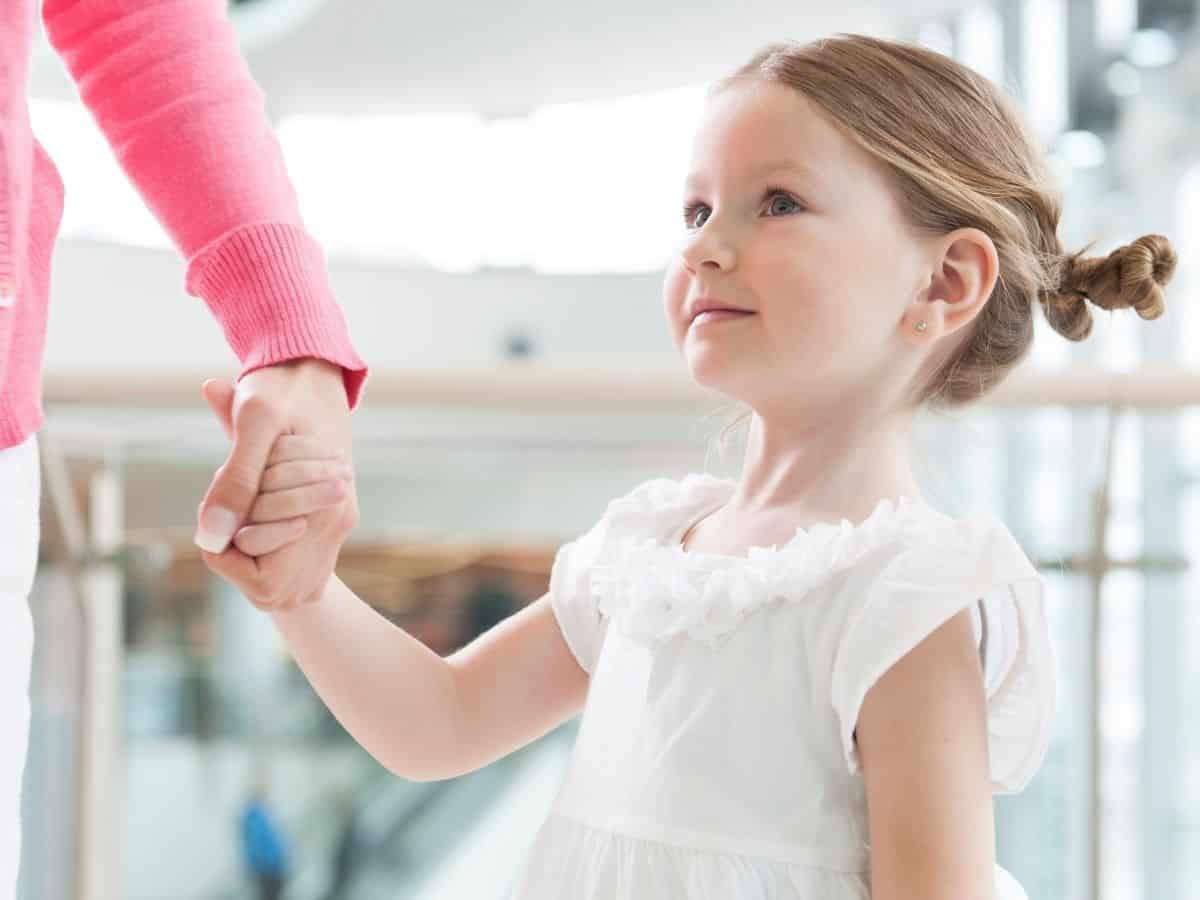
x: 806, y: 683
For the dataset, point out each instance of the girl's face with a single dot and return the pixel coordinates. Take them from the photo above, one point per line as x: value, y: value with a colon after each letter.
x: 793, y: 222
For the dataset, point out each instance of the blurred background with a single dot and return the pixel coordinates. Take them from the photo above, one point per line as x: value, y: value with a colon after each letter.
x: 496, y: 186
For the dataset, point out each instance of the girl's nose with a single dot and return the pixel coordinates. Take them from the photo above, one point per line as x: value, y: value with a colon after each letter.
x: 708, y: 249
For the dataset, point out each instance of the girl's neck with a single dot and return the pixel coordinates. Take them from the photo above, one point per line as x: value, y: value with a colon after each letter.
x: 825, y: 469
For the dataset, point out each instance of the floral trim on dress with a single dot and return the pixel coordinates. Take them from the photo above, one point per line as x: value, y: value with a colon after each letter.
x: 654, y: 591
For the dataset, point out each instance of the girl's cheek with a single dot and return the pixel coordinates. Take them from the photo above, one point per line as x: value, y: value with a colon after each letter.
x: 674, y: 297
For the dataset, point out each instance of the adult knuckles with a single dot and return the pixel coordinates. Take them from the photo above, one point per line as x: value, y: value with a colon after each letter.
x: 262, y: 410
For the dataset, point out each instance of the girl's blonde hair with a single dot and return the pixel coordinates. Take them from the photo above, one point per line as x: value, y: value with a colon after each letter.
x: 959, y: 156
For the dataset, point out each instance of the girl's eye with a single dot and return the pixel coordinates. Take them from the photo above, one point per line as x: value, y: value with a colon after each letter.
x: 690, y: 213
x: 781, y: 203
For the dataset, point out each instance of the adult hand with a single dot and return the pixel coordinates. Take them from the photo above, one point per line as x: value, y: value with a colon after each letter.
x: 305, y: 397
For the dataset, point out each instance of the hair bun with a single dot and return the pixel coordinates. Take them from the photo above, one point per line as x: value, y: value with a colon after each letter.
x: 1132, y: 276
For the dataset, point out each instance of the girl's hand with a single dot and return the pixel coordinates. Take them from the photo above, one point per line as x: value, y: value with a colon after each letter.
x: 301, y: 477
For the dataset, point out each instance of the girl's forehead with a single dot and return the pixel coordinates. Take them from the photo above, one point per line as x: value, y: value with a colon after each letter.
x: 751, y: 134
x: 765, y: 119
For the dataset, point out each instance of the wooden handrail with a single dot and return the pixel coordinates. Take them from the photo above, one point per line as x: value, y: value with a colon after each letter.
x: 548, y: 388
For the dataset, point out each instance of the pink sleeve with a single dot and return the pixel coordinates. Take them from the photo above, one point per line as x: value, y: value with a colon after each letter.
x: 171, y: 92
x: 16, y: 151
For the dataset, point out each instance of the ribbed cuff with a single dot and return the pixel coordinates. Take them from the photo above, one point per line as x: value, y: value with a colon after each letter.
x: 268, y: 287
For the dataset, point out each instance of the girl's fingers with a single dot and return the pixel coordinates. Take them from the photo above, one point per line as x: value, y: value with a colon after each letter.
x: 281, y: 476
x: 259, y: 540
x: 279, y: 505
x: 288, y: 447
x: 240, y: 570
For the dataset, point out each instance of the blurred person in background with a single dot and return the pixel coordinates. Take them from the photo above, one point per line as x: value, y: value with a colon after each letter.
x: 264, y: 847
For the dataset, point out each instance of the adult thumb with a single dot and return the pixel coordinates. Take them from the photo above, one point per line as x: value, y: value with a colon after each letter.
x: 232, y: 492
x: 219, y: 397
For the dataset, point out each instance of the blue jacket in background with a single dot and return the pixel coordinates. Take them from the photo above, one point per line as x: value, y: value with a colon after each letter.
x: 262, y: 842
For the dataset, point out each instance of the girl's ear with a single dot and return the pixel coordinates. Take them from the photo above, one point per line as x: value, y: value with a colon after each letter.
x: 963, y: 280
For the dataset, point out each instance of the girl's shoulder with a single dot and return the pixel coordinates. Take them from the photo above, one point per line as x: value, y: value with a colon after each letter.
x: 912, y: 588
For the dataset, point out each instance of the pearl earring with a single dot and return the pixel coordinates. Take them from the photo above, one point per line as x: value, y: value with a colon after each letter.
x: 922, y: 325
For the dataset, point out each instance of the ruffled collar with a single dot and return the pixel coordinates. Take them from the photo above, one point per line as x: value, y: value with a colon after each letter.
x: 652, y: 589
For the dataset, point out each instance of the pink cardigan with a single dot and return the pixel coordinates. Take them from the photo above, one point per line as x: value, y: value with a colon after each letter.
x: 168, y: 87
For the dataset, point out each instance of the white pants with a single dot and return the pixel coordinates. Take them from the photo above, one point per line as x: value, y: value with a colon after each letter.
x: 20, y: 490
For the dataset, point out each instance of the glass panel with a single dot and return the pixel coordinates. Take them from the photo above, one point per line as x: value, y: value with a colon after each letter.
x: 213, y: 703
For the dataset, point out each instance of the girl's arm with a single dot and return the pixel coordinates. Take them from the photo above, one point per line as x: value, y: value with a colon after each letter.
x: 422, y: 716
x: 922, y: 740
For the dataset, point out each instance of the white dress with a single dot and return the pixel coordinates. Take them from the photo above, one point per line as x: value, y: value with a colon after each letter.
x: 716, y: 756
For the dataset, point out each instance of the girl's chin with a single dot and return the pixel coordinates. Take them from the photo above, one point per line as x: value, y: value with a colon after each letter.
x: 713, y: 371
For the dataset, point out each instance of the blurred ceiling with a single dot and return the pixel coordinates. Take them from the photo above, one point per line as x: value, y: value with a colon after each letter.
x: 502, y: 59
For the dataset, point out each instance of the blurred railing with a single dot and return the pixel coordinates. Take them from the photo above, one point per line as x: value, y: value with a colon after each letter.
x: 532, y: 389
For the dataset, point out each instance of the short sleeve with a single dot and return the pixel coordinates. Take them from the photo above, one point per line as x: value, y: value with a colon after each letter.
x: 997, y: 628
x: 975, y: 565
x: 571, y: 598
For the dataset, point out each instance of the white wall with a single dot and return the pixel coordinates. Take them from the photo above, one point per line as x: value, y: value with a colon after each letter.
x: 123, y: 309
